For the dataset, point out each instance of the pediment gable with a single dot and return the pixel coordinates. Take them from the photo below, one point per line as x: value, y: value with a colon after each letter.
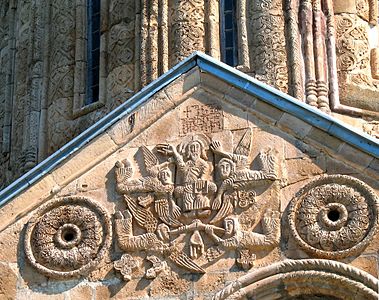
x: 205, y: 170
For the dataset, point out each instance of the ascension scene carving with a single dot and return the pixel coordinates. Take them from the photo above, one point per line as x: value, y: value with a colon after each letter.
x: 188, y: 205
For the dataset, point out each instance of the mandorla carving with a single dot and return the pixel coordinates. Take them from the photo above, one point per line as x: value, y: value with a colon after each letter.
x: 188, y: 218
x: 193, y: 190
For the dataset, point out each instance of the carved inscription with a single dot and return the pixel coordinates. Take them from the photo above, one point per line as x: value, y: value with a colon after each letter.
x: 185, y: 218
x: 201, y: 119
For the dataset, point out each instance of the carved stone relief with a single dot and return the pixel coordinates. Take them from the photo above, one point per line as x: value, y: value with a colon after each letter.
x: 187, y: 28
x: 268, y: 44
x: 334, y: 216
x: 68, y: 237
x: 201, y: 118
x: 372, y: 128
x: 303, y: 279
x: 186, y: 209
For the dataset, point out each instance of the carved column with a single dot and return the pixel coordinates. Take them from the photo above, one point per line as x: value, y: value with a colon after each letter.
x: 268, y: 52
x: 9, y: 89
x: 320, y: 57
x: 243, y: 45
x: 308, y: 52
x: 153, y: 41
x: 187, y: 29
x: 296, y: 85
x: 373, y: 13
x: 163, y: 36
x: 331, y: 51
x: 213, y: 34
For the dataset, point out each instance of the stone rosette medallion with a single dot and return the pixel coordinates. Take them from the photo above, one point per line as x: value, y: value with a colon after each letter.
x: 68, y: 237
x: 334, y: 216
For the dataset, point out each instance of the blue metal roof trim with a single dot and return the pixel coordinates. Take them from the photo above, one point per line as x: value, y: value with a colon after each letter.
x: 206, y: 63
x: 290, y: 105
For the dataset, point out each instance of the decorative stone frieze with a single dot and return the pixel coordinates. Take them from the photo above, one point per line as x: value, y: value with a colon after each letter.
x: 334, y: 216
x: 68, y: 237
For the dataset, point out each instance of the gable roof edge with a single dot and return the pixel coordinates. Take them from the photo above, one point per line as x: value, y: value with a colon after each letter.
x: 270, y: 95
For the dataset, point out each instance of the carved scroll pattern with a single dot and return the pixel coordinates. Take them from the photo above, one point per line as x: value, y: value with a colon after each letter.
x: 334, y: 216
x: 61, y: 74
x: 352, y: 44
x: 353, y: 55
x: 187, y: 29
x: 190, y: 220
x: 121, y: 80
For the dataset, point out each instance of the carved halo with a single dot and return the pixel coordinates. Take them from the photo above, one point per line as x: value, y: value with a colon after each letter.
x: 68, y: 237
x: 334, y: 216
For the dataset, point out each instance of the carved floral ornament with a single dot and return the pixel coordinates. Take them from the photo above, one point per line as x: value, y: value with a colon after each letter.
x: 68, y: 237
x: 334, y: 216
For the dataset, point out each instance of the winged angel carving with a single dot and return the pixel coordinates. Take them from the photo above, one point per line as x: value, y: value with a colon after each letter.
x: 183, y: 212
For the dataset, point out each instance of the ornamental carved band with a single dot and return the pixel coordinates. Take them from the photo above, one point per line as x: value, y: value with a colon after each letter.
x: 68, y: 237
x: 334, y: 216
x: 187, y: 206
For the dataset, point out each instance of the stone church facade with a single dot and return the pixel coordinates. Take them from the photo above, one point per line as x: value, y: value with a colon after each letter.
x: 149, y: 171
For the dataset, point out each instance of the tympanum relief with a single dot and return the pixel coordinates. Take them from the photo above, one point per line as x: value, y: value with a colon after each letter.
x: 185, y: 210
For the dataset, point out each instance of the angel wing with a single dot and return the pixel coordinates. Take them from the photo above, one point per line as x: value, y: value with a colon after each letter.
x: 225, y: 210
x: 150, y: 160
x: 168, y: 212
x: 244, y: 145
x: 127, y: 241
x: 143, y: 216
x: 123, y: 171
x: 184, y: 261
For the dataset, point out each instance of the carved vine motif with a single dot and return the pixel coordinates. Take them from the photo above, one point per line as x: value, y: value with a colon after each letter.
x: 190, y: 220
x: 334, y: 216
x: 352, y: 44
x: 67, y: 237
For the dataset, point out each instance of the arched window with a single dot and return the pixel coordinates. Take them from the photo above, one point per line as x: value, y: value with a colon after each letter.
x: 229, y: 38
x: 93, y: 51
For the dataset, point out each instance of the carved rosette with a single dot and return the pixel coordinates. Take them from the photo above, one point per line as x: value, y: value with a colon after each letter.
x: 68, y: 237
x: 334, y: 216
